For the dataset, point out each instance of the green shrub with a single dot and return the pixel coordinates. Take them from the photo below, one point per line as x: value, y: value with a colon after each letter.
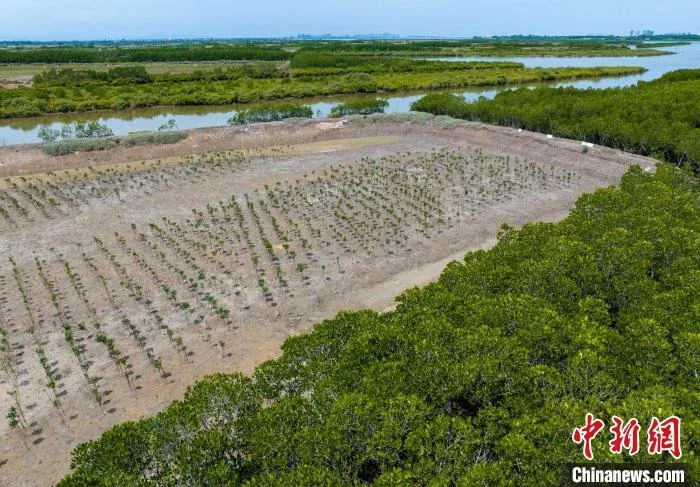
x: 271, y: 113
x: 359, y: 107
x: 121, y: 75
x: 440, y: 104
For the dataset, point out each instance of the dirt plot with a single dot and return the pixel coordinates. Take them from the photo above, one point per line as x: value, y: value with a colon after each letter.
x: 126, y: 275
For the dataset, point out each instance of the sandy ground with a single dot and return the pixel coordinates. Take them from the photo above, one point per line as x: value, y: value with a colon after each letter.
x: 339, y: 274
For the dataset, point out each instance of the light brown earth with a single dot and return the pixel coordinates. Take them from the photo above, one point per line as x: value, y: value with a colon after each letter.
x: 345, y: 270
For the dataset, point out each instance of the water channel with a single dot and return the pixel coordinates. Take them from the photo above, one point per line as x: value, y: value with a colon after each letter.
x: 24, y: 130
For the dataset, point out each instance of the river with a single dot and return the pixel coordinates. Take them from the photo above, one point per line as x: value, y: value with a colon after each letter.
x: 24, y: 130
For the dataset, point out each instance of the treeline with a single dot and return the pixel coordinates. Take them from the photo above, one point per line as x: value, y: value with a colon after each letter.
x: 309, y: 65
x: 662, y: 44
x: 659, y: 118
x: 245, y: 70
x: 143, y: 54
x: 479, y: 47
x: 394, y: 45
x: 21, y: 102
x: 122, y: 75
x: 304, y: 65
x: 138, y: 75
x: 674, y: 37
x: 306, y: 59
x: 280, y: 51
x: 477, y: 379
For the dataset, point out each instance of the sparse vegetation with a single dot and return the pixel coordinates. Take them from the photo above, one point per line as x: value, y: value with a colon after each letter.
x: 145, y: 138
x: 68, y: 146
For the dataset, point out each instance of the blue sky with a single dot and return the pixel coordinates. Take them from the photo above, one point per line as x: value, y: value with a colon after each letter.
x: 94, y: 19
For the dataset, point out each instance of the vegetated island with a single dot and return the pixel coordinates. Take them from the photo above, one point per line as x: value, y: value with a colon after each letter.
x: 136, y: 89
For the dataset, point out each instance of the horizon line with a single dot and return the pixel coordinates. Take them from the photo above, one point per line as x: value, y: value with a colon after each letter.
x: 309, y: 36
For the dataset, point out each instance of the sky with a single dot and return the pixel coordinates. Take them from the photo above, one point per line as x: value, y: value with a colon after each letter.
x: 162, y: 19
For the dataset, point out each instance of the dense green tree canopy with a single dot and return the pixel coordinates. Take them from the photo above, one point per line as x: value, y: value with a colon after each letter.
x: 659, y: 118
x: 477, y: 379
x: 119, y: 76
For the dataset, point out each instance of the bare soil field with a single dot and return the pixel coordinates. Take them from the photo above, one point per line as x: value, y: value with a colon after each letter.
x: 128, y: 274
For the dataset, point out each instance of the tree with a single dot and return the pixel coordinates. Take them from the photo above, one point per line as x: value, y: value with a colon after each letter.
x: 47, y: 134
